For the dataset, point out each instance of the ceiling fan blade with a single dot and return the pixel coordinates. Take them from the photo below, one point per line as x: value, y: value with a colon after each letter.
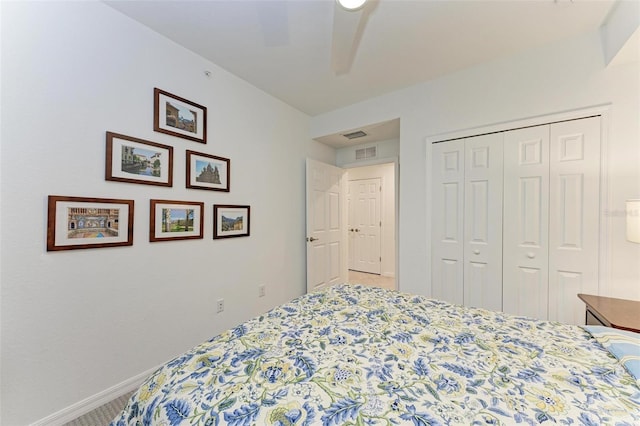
x: 347, y: 32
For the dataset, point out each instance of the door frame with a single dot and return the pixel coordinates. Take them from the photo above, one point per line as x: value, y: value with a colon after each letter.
x: 605, y: 222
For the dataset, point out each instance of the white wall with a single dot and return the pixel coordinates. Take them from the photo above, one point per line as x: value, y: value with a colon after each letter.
x: 76, y: 323
x: 622, y: 22
x: 564, y: 76
x: 389, y: 149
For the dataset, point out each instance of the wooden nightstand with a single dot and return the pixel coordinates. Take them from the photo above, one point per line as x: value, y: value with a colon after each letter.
x: 617, y: 313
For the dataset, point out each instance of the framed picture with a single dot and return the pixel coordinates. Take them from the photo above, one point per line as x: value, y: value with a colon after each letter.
x: 80, y: 223
x: 175, y: 220
x: 135, y: 160
x: 179, y: 117
x: 231, y: 221
x: 206, y: 171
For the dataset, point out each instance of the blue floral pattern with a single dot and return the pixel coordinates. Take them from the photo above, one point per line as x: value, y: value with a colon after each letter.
x: 354, y: 355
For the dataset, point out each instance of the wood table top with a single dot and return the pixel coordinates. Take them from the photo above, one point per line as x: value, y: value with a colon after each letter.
x: 620, y: 313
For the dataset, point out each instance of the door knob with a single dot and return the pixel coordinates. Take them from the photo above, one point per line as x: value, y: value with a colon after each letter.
x: 312, y: 239
x: 531, y: 255
x: 476, y: 251
x: 357, y: 230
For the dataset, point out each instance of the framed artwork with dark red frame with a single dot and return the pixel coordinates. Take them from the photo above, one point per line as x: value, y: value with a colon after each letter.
x: 179, y: 117
x: 82, y: 222
x: 206, y: 171
x: 230, y: 221
x: 135, y: 160
x: 175, y: 220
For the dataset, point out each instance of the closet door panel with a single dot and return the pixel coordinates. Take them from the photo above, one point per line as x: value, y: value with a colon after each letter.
x: 526, y: 298
x: 564, y: 305
x: 483, y: 221
x: 448, y: 280
x: 575, y: 216
x: 526, y: 221
x: 480, y: 287
x: 447, y: 275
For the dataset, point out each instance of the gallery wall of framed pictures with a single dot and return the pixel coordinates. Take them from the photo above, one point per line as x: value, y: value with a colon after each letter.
x: 82, y: 222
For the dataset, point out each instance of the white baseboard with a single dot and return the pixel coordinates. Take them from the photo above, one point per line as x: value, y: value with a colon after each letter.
x: 91, y: 403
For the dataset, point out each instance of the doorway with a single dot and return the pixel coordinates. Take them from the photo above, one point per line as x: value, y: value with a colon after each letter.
x: 373, y: 154
x: 371, y: 224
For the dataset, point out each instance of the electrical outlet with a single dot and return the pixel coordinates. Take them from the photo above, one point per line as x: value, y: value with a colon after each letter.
x: 262, y: 290
x: 220, y: 305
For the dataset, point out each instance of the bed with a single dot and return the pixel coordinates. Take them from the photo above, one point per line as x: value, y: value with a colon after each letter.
x: 355, y: 355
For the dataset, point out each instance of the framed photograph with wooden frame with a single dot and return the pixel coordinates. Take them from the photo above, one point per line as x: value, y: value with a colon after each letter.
x: 205, y: 171
x: 81, y: 223
x: 230, y: 221
x: 179, y: 117
x: 175, y: 220
x: 134, y: 160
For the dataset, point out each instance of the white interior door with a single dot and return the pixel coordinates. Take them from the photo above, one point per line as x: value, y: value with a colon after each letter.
x: 526, y: 222
x: 483, y: 221
x: 575, y: 216
x: 351, y: 236
x: 326, y: 225
x: 365, y: 225
x: 447, y: 262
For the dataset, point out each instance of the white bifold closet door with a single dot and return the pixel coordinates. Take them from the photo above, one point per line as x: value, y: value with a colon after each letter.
x: 467, y: 228
x: 574, y: 222
x: 551, y: 219
x: 526, y: 222
x: 515, y: 219
x: 483, y: 222
x: 447, y: 233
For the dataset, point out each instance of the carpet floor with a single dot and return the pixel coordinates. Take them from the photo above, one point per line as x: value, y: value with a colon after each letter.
x: 102, y: 415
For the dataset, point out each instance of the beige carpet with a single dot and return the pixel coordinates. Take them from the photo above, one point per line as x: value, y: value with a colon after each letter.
x: 103, y: 415
x: 373, y: 280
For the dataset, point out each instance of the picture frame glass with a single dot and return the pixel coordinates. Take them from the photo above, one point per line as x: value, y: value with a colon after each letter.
x: 87, y: 223
x: 232, y: 221
x: 133, y: 160
x: 177, y: 220
x: 180, y: 117
x: 208, y: 172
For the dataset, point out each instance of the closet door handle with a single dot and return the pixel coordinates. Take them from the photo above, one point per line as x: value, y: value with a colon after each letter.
x: 476, y: 251
x: 531, y: 255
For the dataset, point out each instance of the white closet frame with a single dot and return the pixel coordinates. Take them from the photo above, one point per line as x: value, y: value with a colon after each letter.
x: 604, y: 111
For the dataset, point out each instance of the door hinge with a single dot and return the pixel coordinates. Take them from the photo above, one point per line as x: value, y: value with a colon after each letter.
x: 380, y: 224
x: 381, y: 259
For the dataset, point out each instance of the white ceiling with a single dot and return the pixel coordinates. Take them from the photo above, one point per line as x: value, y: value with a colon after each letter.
x: 284, y: 47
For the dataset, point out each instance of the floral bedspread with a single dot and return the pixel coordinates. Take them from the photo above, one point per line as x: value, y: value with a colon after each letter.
x: 354, y: 355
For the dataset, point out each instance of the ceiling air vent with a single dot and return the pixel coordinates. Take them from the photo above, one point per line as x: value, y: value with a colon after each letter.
x: 366, y: 153
x: 355, y: 135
